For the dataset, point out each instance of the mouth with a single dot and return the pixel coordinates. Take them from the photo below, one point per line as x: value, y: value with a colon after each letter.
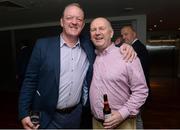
x: 74, y: 27
x: 98, y: 38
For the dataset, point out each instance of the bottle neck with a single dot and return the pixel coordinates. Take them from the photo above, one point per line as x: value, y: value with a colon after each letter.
x: 105, y: 98
x: 106, y: 103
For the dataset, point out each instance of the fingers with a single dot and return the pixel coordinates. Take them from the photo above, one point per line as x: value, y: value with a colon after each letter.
x: 128, y: 52
x: 27, y: 124
x: 128, y: 55
x: 30, y: 126
x: 133, y: 56
x: 36, y: 127
x: 110, y: 125
x: 113, y: 121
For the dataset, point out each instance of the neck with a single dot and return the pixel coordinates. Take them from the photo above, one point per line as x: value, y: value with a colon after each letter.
x: 70, y: 40
x: 101, y: 49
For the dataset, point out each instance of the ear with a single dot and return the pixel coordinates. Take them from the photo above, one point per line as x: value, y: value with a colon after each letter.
x: 112, y: 33
x: 134, y: 34
x: 61, y: 22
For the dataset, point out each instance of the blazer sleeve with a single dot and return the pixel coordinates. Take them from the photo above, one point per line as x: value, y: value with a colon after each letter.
x: 29, y: 86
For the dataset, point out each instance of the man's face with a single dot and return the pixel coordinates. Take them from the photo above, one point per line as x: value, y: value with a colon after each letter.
x: 101, y: 33
x: 128, y: 35
x: 72, y: 21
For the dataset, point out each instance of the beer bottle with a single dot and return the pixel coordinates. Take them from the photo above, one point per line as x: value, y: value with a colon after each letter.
x: 106, y: 109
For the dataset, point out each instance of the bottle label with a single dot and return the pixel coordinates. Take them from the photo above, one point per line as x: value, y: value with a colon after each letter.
x: 106, y: 116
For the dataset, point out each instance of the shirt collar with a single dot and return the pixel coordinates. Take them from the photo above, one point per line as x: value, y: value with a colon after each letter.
x: 62, y: 42
x: 134, y: 40
x: 105, y: 51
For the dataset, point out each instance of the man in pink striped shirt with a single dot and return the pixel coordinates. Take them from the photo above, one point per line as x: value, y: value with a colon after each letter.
x: 123, y: 82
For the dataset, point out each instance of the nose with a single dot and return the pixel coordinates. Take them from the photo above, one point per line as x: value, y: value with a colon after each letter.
x: 74, y: 20
x: 97, y: 32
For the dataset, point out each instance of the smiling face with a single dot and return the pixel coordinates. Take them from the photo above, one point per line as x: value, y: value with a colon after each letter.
x: 101, y: 33
x: 72, y: 21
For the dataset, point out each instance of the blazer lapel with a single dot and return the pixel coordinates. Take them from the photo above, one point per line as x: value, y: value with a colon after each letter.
x: 85, y: 44
x: 56, y: 51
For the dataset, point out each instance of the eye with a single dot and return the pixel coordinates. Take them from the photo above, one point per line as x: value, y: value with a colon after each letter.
x: 69, y: 17
x: 80, y: 19
x: 102, y: 28
x: 92, y: 29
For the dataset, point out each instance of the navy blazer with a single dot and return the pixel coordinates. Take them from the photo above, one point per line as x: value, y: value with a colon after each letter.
x: 41, y: 84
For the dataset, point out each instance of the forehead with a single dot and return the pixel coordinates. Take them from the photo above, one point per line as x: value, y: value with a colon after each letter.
x: 73, y: 10
x: 126, y: 30
x: 99, y: 22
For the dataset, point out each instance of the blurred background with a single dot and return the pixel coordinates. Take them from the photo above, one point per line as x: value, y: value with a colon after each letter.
x: 157, y: 23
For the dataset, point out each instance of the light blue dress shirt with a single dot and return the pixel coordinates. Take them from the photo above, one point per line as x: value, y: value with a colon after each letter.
x: 74, y: 66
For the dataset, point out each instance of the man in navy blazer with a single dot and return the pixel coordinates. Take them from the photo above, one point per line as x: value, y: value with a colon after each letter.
x: 58, y: 76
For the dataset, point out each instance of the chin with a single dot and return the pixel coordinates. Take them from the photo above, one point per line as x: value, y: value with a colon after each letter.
x: 75, y: 34
x: 100, y: 46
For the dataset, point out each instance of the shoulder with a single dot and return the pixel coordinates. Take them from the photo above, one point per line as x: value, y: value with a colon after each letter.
x: 139, y: 43
x: 116, y: 55
x: 46, y: 41
x: 117, y: 50
x: 139, y: 47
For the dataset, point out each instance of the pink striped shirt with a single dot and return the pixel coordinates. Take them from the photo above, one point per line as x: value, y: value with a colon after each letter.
x: 124, y: 83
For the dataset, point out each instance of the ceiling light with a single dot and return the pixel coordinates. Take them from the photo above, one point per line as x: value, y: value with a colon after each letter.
x: 150, y: 29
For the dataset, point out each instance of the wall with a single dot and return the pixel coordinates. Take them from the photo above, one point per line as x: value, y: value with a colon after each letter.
x: 12, y: 39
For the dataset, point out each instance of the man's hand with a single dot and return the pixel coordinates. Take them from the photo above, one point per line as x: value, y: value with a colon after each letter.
x: 128, y: 52
x: 27, y: 124
x: 113, y: 121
